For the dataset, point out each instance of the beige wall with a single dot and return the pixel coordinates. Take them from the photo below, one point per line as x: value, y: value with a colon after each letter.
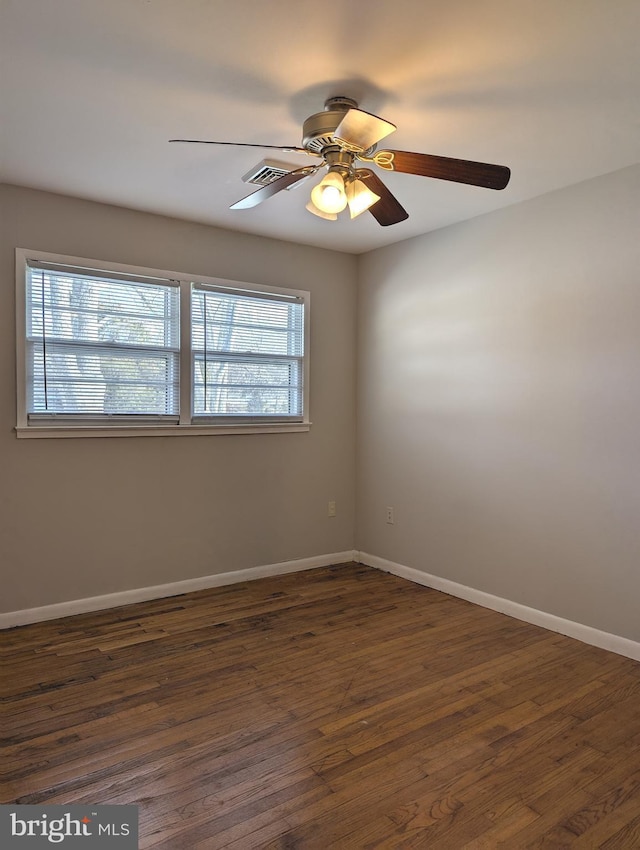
x: 499, y: 403
x: 83, y: 517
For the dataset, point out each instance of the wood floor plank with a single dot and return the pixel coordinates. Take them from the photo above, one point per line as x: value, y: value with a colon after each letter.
x: 336, y: 709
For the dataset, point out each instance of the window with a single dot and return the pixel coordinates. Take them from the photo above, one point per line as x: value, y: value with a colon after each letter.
x: 100, y: 346
x: 247, y: 354
x: 106, y: 349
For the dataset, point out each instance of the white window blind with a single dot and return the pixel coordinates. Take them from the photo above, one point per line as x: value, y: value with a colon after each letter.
x: 247, y: 354
x: 107, y: 349
x: 101, y: 346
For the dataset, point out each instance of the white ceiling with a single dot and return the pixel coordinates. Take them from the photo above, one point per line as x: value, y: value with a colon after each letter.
x: 93, y: 89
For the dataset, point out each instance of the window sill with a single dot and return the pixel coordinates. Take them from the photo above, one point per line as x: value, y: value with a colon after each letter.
x: 47, y: 432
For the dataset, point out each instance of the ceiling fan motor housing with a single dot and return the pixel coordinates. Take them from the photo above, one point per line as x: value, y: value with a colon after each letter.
x: 318, y: 130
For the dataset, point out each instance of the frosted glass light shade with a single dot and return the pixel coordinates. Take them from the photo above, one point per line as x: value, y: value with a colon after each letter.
x: 320, y: 213
x: 329, y: 195
x: 360, y: 197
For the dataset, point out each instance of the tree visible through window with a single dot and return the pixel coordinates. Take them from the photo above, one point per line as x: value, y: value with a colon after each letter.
x: 102, y: 346
x: 247, y: 355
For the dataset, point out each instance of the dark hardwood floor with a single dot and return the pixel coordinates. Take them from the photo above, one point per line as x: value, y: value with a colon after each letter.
x: 337, y: 708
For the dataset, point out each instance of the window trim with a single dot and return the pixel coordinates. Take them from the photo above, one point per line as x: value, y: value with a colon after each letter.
x: 186, y: 425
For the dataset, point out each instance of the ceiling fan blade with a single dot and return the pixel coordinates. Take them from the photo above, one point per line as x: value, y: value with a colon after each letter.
x: 271, y: 189
x: 388, y: 210
x: 359, y: 130
x: 288, y: 149
x: 444, y: 168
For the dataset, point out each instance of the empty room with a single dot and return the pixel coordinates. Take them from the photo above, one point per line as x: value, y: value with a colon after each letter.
x: 319, y: 419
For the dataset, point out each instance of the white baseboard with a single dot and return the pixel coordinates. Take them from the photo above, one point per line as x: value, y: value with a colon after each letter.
x: 160, y: 591
x: 586, y: 634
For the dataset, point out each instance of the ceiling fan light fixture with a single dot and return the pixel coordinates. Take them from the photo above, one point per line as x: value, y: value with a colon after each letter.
x: 329, y: 195
x: 317, y: 211
x: 359, y: 197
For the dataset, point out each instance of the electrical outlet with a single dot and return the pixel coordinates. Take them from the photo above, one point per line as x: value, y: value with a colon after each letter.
x: 390, y: 516
x: 332, y: 508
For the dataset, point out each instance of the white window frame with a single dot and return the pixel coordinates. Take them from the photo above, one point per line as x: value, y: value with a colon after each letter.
x: 186, y: 425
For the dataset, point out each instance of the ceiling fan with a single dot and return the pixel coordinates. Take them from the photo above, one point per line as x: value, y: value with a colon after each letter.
x: 345, y: 139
